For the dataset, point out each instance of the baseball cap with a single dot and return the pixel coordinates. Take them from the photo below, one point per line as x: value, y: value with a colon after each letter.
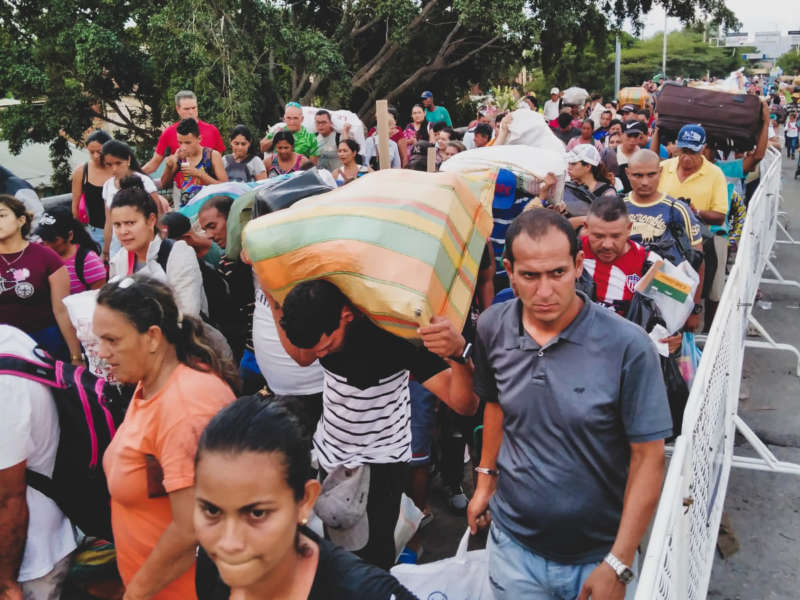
x: 635, y: 128
x: 426, y: 94
x: 56, y: 222
x: 555, y: 90
x: 505, y: 189
x: 628, y: 108
x: 342, y: 506
x: 176, y: 224
x: 692, y: 137
x: 584, y: 153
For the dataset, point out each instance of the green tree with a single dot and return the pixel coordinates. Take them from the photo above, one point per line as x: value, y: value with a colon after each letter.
x: 790, y: 62
x: 76, y: 64
x: 687, y: 56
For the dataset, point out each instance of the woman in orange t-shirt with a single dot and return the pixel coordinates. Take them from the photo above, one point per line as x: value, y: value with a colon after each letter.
x: 150, y: 462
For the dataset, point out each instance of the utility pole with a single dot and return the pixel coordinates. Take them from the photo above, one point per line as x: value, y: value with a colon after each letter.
x: 664, y: 50
x: 617, y: 60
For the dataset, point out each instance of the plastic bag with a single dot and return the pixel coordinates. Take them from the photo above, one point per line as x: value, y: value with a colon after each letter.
x: 80, y: 308
x: 689, y: 359
x: 289, y: 190
x: 644, y: 312
x: 672, y: 289
x: 407, y: 523
x: 464, y: 576
x: 576, y: 96
x: 528, y: 128
x: 677, y: 392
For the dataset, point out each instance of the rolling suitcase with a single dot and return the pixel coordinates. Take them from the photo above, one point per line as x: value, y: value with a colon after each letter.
x: 731, y: 121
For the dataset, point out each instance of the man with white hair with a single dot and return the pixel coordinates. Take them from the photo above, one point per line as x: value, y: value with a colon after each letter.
x: 186, y: 107
x: 552, y: 106
x: 305, y: 142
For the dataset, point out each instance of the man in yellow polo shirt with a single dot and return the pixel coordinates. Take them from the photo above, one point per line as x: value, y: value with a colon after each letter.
x: 690, y: 176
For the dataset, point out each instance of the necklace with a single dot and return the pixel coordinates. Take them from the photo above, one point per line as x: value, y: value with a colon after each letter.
x: 11, y: 262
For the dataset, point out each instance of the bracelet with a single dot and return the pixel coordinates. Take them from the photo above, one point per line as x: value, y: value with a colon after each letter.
x: 487, y: 471
x: 76, y: 357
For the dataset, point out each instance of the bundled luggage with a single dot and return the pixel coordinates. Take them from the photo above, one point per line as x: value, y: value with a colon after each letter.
x: 732, y: 121
x: 403, y: 246
x: 638, y: 96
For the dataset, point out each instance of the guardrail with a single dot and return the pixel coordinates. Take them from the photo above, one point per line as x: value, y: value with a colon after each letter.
x: 680, y: 554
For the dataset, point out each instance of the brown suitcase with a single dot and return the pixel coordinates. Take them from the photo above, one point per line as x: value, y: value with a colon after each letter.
x: 731, y: 121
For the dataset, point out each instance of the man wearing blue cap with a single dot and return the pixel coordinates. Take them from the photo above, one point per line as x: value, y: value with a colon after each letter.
x: 692, y: 177
x: 433, y: 113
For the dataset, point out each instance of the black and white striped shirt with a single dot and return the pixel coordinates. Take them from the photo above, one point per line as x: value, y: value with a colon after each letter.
x: 366, y: 411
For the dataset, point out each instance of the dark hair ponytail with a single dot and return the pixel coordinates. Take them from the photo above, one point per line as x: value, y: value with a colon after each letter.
x: 131, y: 193
x: 60, y: 224
x: 600, y: 173
x: 122, y: 151
x: 145, y: 302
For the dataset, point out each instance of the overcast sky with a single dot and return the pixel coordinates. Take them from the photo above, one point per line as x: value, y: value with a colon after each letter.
x: 763, y: 15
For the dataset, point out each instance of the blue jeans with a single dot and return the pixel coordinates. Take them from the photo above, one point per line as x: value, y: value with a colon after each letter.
x: 97, y: 234
x: 791, y: 146
x: 516, y: 572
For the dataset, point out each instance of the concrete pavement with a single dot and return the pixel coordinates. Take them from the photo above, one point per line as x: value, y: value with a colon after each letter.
x: 763, y: 507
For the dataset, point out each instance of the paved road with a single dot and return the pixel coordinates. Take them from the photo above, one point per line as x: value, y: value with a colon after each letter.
x: 764, y: 508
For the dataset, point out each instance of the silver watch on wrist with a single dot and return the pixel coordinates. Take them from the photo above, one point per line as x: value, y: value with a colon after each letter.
x: 623, y: 571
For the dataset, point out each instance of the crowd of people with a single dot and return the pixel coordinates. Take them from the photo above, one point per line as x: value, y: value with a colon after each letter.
x: 557, y: 388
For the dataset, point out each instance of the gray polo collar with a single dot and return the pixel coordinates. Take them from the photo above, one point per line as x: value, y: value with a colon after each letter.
x: 576, y: 331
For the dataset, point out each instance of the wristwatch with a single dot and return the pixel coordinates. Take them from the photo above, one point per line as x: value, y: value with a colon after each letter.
x: 624, y: 572
x: 698, y: 308
x: 464, y: 356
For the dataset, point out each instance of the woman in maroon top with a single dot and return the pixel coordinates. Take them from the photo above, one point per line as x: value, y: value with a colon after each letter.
x: 33, y: 284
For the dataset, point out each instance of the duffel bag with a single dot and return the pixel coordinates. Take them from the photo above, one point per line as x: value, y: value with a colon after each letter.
x: 731, y: 121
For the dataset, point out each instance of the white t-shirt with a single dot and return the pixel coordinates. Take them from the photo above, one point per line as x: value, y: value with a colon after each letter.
x: 284, y: 376
x: 550, y: 110
x: 29, y: 432
x: 110, y: 187
x: 790, y: 129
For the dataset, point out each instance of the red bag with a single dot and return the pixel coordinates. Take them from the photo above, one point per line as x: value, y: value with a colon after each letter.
x: 83, y: 213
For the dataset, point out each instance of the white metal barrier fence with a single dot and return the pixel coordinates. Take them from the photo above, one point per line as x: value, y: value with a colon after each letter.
x: 680, y: 554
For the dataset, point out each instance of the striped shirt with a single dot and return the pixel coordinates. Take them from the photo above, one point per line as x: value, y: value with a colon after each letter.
x: 366, y: 411
x: 615, y: 282
x: 93, y: 271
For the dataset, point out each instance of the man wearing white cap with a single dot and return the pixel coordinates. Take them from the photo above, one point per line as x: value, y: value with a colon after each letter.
x: 552, y: 106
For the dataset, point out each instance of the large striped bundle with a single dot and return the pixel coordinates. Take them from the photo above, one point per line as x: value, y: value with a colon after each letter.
x: 402, y: 245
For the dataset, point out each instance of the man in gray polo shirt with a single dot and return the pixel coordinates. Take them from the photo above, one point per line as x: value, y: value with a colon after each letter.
x: 574, y: 427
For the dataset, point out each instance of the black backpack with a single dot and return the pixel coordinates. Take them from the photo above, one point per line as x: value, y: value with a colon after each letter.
x: 89, y: 412
x: 217, y: 291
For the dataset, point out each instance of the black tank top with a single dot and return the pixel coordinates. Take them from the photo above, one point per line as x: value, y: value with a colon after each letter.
x: 94, y: 200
